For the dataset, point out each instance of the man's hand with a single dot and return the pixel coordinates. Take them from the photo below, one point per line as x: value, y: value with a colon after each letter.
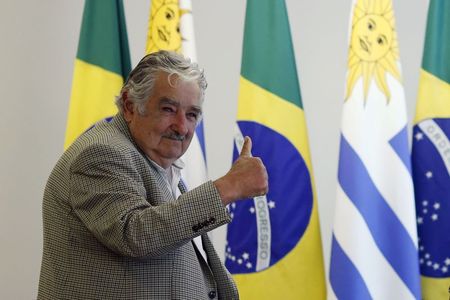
x: 247, y: 177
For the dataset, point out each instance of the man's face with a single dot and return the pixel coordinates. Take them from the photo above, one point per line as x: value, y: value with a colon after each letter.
x: 165, y: 131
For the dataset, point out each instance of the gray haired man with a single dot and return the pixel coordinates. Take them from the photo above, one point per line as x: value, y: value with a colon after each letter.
x: 118, y: 222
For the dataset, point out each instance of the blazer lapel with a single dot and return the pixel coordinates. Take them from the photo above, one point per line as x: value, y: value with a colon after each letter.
x: 215, y: 267
x: 225, y: 283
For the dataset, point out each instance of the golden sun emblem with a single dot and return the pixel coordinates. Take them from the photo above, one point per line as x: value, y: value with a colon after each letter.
x: 164, y: 26
x: 373, y: 46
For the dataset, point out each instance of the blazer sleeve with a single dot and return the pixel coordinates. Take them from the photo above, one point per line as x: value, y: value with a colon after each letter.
x: 108, y: 195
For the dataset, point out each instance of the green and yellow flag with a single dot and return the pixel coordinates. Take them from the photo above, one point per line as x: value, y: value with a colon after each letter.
x: 101, y: 65
x: 431, y: 154
x: 273, y: 247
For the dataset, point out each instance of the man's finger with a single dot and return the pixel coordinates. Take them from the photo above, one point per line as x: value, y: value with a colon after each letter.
x: 247, y: 147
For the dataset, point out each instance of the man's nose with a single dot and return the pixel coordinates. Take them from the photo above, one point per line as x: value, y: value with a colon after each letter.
x: 181, y: 123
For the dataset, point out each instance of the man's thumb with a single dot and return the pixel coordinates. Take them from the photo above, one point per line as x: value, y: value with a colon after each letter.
x: 247, y: 147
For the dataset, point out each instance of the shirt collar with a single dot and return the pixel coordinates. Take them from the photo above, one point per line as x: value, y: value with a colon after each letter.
x: 179, y: 164
x: 171, y: 176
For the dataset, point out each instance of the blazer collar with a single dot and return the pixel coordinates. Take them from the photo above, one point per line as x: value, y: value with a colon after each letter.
x: 119, y: 122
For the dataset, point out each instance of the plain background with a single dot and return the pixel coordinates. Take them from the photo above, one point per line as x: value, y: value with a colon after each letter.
x: 39, y: 40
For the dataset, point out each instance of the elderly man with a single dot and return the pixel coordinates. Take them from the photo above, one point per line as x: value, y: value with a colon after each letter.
x: 118, y: 222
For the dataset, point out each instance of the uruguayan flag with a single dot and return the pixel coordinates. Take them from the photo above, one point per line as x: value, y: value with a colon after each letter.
x: 374, y: 248
x: 175, y: 17
x: 194, y: 172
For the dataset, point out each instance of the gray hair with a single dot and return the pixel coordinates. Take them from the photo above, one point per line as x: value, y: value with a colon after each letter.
x: 141, y: 80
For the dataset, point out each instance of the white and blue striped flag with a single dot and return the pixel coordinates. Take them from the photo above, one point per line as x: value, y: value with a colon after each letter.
x: 171, y: 27
x: 374, y: 251
x: 195, y: 172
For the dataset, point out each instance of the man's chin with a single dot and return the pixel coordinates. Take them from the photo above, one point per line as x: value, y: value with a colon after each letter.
x: 174, y: 154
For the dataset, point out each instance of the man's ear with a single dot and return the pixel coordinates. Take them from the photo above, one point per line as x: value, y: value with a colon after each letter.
x: 128, y: 107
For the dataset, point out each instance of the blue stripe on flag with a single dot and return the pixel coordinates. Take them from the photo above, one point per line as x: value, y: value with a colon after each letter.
x: 201, y: 138
x: 388, y: 232
x: 345, y: 279
x: 401, y: 148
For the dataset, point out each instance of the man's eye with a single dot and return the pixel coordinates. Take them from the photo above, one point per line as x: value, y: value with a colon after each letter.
x: 168, y: 109
x: 192, y: 116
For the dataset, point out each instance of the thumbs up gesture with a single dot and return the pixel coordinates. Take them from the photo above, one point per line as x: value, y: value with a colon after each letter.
x: 246, y: 148
x: 247, y: 178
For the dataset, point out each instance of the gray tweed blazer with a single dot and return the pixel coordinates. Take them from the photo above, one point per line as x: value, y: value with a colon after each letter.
x: 112, y: 229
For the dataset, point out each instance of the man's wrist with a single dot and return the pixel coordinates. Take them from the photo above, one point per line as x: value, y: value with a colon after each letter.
x: 225, y: 188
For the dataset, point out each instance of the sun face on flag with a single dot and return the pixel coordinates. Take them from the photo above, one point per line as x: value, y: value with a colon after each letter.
x: 164, y: 32
x: 373, y: 46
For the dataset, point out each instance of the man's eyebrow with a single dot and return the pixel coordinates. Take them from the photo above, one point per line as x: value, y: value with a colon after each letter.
x: 168, y: 101
x: 197, y: 108
x: 197, y: 111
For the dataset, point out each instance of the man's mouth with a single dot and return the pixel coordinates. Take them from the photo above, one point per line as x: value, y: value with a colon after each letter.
x: 175, y: 137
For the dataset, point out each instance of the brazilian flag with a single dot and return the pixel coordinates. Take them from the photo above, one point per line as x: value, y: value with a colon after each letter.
x: 101, y: 65
x: 273, y: 242
x: 431, y: 154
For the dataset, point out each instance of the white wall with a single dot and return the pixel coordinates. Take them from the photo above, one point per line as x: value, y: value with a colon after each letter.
x: 38, y: 47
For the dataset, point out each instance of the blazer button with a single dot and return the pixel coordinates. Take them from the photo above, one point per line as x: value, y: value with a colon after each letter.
x: 212, y: 294
x: 195, y: 228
